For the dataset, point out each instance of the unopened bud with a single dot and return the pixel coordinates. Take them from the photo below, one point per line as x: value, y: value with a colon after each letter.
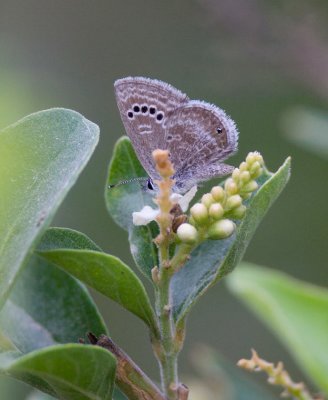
x: 251, y: 158
x: 216, y: 211
x: 221, y: 229
x: 250, y: 186
x: 245, y: 176
x: 187, y: 233
x: 233, y: 201
x: 255, y: 168
x: 236, y: 174
x: 243, y: 166
x: 199, y: 213
x: 217, y: 193
x: 239, y: 212
x: 230, y: 186
x: 207, y: 199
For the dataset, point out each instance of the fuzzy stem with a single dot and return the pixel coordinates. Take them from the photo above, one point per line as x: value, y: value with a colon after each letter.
x: 166, y: 349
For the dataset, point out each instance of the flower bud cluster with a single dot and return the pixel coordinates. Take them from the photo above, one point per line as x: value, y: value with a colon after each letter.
x: 212, y: 217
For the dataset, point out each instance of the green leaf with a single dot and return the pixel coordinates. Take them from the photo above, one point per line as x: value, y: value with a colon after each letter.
x: 299, y: 121
x: 65, y: 238
x: 109, y: 276
x: 46, y: 307
x: 70, y: 371
x: 294, y: 310
x: 41, y: 157
x: 212, y: 260
x: 123, y: 200
x: 142, y: 247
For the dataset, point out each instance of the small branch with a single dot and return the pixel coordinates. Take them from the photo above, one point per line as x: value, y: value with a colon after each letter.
x: 277, y: 376
x: 133, y: 382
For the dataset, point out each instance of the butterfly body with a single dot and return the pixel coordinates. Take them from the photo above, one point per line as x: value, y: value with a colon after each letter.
x: 198, y: 135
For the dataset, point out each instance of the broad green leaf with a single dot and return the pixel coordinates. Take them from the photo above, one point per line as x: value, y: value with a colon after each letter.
x: 46, y: 307
x: 122, y: 200
x: 37, y: 395
x: 65, y: 238
x: 41, y: 157
x: 226, y: 380
x: 294, y: 310
x: 11, y: 389
x: 69, y: 371
x: 109, y: 276
x: 142, y: 247
x: 299, y: 121
x: 212, y: 260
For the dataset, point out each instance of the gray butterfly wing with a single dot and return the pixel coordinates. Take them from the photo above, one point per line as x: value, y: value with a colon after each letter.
x: 145, y: 106
x: 200, y: 136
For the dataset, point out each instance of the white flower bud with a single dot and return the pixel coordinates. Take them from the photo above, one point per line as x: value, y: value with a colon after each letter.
x: 221, y: 229
x: 230, y: 186
x: 199, y: 213
x: 236, y: 174
x: 207, y: 199
x: 243, y: 166
x: 216, y: 211
x: 233, y: 201
x: 217, y: 193
x: 187, y: 233
x: 245, y: 176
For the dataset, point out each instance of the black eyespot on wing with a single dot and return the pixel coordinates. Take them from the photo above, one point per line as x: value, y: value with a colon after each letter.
x: 144, y: 109
x: 152, y: 110
x: 136, y: 108
x: 159, y: 116
x: 130, y: 114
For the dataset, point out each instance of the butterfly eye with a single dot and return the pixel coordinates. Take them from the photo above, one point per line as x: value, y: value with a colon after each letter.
x: 150, y: 184
x: 219, y: 130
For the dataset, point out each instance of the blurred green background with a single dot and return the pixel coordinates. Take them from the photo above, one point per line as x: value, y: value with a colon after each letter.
x: 258, y: 60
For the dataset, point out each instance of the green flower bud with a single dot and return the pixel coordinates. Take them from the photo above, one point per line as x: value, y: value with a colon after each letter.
x: 217, y: 193
x: 199, y: 213
x: 233, y: 201
x: 245, y: 176
x: 239, y: 212
x: 255, y: 168
x: 221, y: 229
x: 230, y: 186
x: 187, y: 233
x: 243, y: 166
x: 251, y: 158
x: 216, y: 211
x: 250, y: 186
x: 236, y: 174
x: 207, y: 199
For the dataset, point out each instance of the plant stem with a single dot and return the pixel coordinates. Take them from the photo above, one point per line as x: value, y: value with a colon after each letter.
x: 168, y: 356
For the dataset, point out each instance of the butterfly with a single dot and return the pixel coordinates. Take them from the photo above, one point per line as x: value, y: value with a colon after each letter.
x: 199, y: 136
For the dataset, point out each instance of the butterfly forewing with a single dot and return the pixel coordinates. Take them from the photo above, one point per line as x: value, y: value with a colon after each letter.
x: 145, y: 106
x: 198, y: 135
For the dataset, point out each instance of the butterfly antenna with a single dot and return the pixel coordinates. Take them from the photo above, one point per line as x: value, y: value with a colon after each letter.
x: 143, y: 178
